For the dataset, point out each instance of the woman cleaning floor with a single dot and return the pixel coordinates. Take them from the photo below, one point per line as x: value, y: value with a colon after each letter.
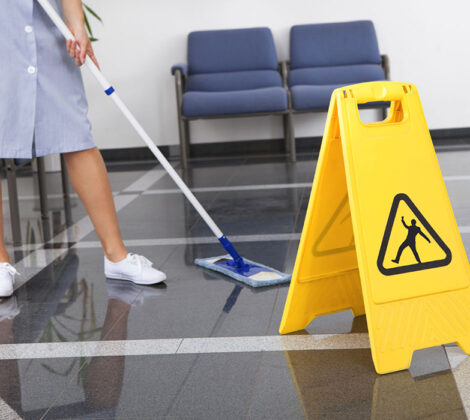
x: 43, y: 110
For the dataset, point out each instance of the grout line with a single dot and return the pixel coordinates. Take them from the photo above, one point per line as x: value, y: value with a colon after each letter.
x: 294, y: 236
x: 179, y: 346
x: 49, y: 196
x: 196, y: 240
x: 232, y: 188
x: 141, y: 185
x: 457, y: 178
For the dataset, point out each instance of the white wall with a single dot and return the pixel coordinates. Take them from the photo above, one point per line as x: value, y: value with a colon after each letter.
x: 428, y: 43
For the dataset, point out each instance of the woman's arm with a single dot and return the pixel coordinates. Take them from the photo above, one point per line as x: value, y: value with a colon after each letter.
x: 75, y: 20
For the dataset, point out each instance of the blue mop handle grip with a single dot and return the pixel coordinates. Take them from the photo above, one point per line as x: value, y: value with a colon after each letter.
x: 231, y: 250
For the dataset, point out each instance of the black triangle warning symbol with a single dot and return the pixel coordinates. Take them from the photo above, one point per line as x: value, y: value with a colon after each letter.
x: 409, y: 244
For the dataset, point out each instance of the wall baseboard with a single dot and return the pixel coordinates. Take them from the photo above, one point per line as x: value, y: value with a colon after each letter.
x: 450, y: 133
x: 440, y: 137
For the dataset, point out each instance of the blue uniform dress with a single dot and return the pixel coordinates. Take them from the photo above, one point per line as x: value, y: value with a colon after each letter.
x: 43, y: 108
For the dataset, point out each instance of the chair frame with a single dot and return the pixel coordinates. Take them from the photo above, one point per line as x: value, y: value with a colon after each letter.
x: 183, y: 121
x: 385, y: 63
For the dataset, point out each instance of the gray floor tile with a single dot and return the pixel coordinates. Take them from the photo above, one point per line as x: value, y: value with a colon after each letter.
x: 70, y: 300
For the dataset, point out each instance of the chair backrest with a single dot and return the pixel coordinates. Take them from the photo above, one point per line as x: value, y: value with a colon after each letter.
x: 231, y: 50
x: 333, y: 44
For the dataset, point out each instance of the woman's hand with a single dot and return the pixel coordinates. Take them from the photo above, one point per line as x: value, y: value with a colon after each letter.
x: 81, y: 47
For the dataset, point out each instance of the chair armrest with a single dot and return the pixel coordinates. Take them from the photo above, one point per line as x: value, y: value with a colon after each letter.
x: 284, y: 69
x: 183, y: 68
x: 179, y: 88
x: 386, y: 66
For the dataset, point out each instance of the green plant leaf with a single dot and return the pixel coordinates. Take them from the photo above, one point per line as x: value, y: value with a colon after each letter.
x: 87, y: 24
x: 92, y: 12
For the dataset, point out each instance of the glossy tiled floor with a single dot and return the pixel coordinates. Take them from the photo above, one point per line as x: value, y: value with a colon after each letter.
x: 122, y: 351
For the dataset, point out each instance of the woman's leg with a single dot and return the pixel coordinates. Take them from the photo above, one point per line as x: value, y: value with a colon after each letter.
x: 90, y: 180
x: 3, y: 252
x: 104, y: 378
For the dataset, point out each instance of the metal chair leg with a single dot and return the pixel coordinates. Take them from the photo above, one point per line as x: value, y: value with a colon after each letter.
x: 292, y: 148
x: 186, y: 139
x: 187, y: 136
x: 46, y: 226
x: 13, y: 202
x: 184, y: 152
x: 42, y: 188
x: 285, y: 126
x: 65, y: 192
x: 64, y: 177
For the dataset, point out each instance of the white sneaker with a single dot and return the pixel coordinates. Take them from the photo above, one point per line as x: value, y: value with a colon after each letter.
x: 135, y: 268
x: 7, y: 279
x: 131, y: 293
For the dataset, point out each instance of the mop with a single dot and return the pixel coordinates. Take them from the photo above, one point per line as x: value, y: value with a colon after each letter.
x: 231, y: 264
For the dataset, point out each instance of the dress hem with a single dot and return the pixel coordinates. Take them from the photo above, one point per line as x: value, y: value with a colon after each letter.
x: 42, y: 153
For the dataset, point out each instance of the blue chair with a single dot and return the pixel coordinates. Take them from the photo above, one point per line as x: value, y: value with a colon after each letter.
x: 230, y: 73
x: 326, y: 56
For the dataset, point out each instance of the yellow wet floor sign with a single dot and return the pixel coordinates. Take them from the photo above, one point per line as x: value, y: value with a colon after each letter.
x: 380, y: 236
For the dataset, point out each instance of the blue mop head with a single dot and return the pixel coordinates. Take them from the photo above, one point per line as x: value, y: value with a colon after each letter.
x: 253, y: 274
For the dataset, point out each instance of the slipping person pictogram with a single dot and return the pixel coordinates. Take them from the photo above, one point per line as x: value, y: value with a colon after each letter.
x: 410, y: 240
x: 429, y: 253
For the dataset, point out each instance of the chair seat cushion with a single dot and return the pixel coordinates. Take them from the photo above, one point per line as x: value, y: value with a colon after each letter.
x: 199, y: 104
x: 240, y: 80
x: 312, y: 97
x: 306, y: 97
x: 344, y: 75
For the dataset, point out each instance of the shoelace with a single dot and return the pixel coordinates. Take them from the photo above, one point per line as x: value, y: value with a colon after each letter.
x: 140, y: 260
x: 12, y: 270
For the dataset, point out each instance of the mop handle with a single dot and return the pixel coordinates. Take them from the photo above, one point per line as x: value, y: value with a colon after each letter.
x: 109, y: 90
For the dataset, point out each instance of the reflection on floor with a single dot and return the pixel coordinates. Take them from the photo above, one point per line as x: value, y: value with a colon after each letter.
x: 201, y: 346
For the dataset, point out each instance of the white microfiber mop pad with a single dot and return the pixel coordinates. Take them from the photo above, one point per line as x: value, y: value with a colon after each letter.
x: 253, y: 274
